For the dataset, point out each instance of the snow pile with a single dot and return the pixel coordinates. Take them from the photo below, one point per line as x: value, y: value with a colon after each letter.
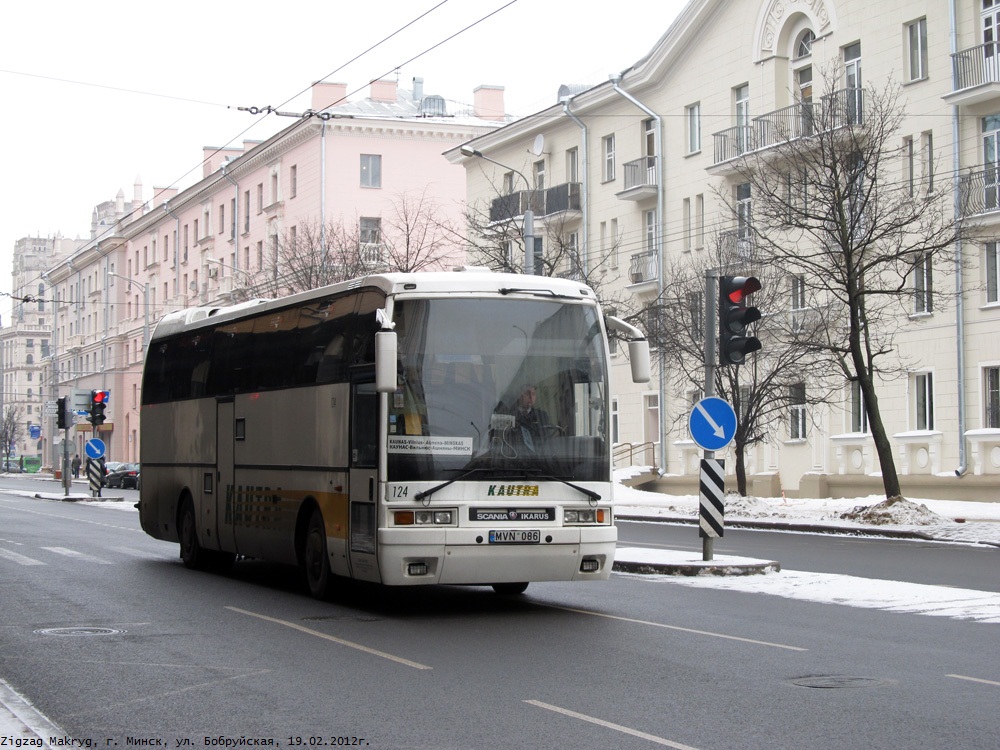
x: 896, y: 511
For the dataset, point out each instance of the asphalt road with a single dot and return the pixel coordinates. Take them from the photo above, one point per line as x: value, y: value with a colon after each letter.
x: 193, y: 659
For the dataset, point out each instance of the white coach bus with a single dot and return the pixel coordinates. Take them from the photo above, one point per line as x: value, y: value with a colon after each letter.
x: 380, y: 429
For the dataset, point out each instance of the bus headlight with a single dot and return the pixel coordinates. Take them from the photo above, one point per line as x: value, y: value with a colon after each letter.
x: 423, y: 517
x: 584, y: 516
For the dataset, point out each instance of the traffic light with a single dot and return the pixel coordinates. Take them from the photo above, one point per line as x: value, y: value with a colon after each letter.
x: 62, y: 413
x: 734, y: 317
x: 98, y: 402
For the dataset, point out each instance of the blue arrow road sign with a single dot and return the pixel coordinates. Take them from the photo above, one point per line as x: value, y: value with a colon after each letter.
x: 94, y: 448
x: 712, y: 423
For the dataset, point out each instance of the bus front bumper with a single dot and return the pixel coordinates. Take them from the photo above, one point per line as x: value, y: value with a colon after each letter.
x: 464, y: 556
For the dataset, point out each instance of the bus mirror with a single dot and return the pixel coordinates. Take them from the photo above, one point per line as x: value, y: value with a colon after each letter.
x: 638, y: 355
x: 385, y: 361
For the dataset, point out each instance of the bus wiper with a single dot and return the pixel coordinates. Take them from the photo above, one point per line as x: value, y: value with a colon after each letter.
x: 427, y: 493
x: 536, y: 292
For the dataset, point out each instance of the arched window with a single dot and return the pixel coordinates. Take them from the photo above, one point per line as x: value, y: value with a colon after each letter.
x: 804, y: 44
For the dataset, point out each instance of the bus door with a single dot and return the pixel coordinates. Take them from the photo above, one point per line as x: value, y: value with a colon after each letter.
x: 363, y: 491
x: 223, y: 481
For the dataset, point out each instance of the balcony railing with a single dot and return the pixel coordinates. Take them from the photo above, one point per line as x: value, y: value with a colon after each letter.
x: 979, y: 192
x: 976, y: 66
x: 644, y: 267
x: 640, y: 173
x: 734, y: 243
x: 565, y: 197
x: 800, y: 120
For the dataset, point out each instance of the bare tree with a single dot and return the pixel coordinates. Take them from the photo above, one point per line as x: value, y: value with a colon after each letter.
x: 830, y: 208
x: 763, y: 391
x: 11, y: 429
x: 409, y: 237
x: 496, y: 239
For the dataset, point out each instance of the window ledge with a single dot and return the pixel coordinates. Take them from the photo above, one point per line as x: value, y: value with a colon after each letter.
x: 795, y: 441
x: 921, y: 315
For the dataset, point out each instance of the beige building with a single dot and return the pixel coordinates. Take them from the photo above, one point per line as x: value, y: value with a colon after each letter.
x: 648, y: 152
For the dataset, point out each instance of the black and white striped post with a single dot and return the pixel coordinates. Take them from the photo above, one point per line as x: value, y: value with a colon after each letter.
x: 711, y: 499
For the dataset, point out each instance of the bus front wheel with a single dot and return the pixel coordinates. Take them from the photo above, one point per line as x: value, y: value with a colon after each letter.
x: 315, y: 559
x: 193, y: 555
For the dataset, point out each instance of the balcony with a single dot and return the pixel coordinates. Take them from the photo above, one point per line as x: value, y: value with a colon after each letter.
x: 979, y: 193
x: 735, y: 243
x: 554, y: 200
x: 801, y: 120
x: 975, y: 75
x: 371, y: 254
x: 641, y: 179
x: 644, y: 273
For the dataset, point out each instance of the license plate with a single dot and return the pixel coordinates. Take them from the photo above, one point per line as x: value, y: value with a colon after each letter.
x: 516, y: 536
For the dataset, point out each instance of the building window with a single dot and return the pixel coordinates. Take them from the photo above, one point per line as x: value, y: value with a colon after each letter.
x: 859, y: 417
x: 692, y: 117
x: 991, y: 397
x: 923, y: 301
x: 741, y: 101
x: 743, y: 211
x: 222, y: 218
x: 293, y: 181
x: 699, y: 221
x: 371, y: 230
x: 928, y: 139
x: 260, y: 197
x: 916, y: 49
x: 909, y: 164
x: 246, y: 211
x: 608, y: 149
x: 686, y: 223
x: 992, y: 272
x: 651, y: 231
x: 538, y: 172
x: 804, y: 45
x: 371, y: 170
x: 923, y: 393
x: 798, y: 303
x: 797, y: 411
x: 572, y: 165
x: 275, y: 193
x: 696, y: 313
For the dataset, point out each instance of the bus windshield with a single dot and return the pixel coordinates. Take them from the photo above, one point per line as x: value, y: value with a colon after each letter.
x: 498, y: 385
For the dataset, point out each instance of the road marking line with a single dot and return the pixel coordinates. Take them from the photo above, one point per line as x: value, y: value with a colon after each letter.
x: 341, y: 641
x: 77, y: 555
x: 973, y: 679
x: 610, y: 725
x: 19, y: 559
x: 676, y: 627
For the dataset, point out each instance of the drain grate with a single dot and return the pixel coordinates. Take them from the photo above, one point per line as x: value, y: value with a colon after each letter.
x: 81, y: 630
x: 838, y: 681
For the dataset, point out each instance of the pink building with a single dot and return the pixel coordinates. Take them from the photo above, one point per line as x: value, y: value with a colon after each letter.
x: 347, y: 167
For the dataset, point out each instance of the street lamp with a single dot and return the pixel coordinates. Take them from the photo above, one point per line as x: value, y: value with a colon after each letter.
x: 145, y: 304
x: 528, y: 230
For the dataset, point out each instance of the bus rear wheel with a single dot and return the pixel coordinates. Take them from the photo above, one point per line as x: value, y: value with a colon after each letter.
x: 316, y: 559
x: 510, y: 589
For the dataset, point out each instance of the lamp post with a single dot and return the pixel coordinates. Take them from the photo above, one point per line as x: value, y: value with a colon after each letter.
x: 145, y: 304
x: 528, y: 229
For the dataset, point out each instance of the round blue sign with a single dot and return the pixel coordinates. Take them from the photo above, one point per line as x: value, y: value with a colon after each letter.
x: 94, y: 448
x: 712, y: 423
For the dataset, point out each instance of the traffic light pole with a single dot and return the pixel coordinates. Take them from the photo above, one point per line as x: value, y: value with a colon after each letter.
x: 711, y: 324
x: 67, y: 479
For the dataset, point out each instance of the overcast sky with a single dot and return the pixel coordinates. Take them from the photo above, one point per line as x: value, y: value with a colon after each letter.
x: 96, y: 94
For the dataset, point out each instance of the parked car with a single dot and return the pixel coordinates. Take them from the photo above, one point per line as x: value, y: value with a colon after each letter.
x: 12, y: 467
x: 124, y: 477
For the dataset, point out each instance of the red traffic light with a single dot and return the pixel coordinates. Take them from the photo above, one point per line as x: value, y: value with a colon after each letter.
x: 100, y: 397
x: 741, y: 287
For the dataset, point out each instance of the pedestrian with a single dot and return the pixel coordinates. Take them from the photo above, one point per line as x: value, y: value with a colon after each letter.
x: 76, y: 466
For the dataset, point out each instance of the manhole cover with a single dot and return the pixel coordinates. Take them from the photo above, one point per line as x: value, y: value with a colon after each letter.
x: 838, y: 681
x: 83, y: 630
x: 340, y: 618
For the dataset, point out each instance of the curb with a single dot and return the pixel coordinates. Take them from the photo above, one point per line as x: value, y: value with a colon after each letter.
x: 746, y: 523
x: 698, y: 568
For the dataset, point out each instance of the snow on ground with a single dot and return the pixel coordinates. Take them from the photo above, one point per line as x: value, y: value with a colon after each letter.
x: 944, y: 520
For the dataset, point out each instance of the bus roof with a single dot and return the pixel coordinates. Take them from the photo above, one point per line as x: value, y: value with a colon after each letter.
x: 467, y: 280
